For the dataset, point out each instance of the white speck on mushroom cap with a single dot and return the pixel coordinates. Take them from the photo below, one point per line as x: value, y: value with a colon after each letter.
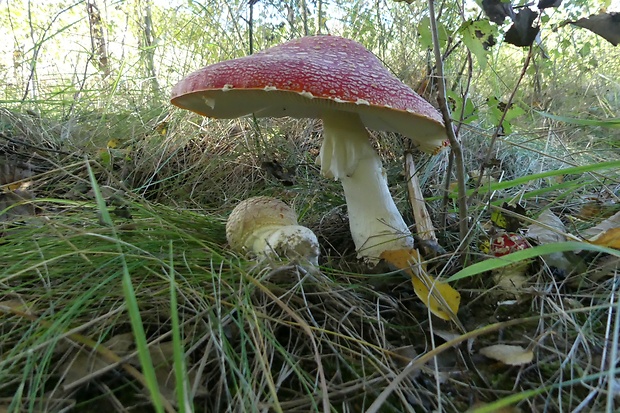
x: 337, y: 73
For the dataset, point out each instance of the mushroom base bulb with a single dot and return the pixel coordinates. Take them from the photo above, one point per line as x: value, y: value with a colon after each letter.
x: 291, y: 241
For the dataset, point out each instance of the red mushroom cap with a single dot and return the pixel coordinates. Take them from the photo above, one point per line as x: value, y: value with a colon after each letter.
x: 507, y: 243
x: 306, y: 77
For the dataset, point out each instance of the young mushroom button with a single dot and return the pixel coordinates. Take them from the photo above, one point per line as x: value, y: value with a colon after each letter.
x: 345, y: 85
x: 267, y: 227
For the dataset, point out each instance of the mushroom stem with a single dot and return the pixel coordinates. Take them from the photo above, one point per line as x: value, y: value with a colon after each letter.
x: 346, y: 154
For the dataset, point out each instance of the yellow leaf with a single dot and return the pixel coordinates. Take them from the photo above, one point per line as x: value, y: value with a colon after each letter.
x: 113, y: 143
x: 439, y: 297
x: 162, y: 128
x: 499, y: 219
x: 484, y: 245
x: 609, y: 238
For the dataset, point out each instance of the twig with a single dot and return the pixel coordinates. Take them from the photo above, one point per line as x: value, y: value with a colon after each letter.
x: 454, y: 143
x: 423, y: 223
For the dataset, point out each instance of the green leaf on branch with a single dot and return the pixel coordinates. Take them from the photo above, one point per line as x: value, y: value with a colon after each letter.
x: 426, y: 37
x: 496, y: 110
x: 477, y: 36
x: 466, y: 111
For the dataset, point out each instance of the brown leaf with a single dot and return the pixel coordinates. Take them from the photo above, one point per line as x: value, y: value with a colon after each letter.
x: 12, y: 170
x: 87, y: 362
x: 17, y: 306
x: 162, y: 355
x: 15, y: 204
x: 606, y: 25
x: 597, y: 230
x: 609, y: 238
x: 507, y: 354
x: 548, y: 228
x: 512, y: 277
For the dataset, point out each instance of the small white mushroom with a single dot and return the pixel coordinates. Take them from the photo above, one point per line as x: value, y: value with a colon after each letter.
x: 267, y: 227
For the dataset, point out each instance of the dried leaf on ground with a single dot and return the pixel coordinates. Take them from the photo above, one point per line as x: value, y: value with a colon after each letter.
x: 606, y: 233
x: 17, y: 307
x: 85, y: 361
x: 402, y: 356
x: 610, y: 223
x: 547, y: 229
x: 15, y: 204
x: 444, y: 300
x: 609, y: 238
x: 509, y: 222
x: 507, y: 354
x: 512, y: 277
x: 162, y: 355
x: 12, y: 170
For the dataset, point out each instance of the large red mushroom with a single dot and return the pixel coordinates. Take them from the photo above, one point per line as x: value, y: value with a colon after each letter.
x: 348, y: 88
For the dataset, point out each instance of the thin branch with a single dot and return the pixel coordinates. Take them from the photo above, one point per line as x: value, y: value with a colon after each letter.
x: 454, y: 143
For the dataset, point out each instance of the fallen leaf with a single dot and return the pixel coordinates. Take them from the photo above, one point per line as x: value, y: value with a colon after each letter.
x: 507, y: 354
x: 439, y: 297
x: 609, y: 238
x: 113, y: 143
x: 162, y: 355
x: 87, y: 362
x: 402, y: 356
x: 548, y: 229
x: 13, y: 173
x: 17, y: 307
x: 512, y: 277
x: 16, y: 204
x: 610, y: 223
x: 510, y: 222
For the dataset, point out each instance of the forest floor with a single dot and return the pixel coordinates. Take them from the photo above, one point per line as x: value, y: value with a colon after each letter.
x: 118, y: 291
